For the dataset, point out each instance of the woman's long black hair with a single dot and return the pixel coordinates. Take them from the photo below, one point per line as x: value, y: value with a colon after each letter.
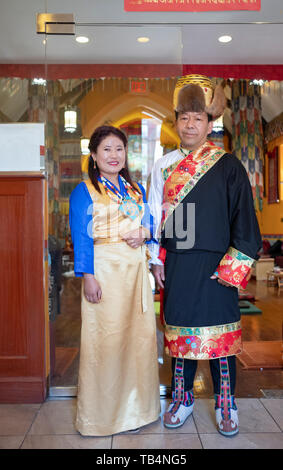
x: 93, y: 171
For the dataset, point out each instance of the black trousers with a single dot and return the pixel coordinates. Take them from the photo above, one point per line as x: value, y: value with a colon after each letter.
x: 189, y: 368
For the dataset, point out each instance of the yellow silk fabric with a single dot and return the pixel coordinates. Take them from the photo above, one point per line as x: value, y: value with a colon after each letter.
x: 109, y: 224
x: 118, y: 387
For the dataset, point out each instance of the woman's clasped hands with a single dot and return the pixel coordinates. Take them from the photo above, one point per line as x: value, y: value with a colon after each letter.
x: 135, y: 238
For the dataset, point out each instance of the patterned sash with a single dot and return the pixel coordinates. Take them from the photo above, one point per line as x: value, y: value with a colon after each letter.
x: 181, y: 177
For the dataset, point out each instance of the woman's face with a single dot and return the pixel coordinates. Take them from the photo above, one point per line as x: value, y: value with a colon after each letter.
x: 110, y: 156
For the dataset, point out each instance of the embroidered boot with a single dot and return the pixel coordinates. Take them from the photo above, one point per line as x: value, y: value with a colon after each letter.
x: 226, y: 414
x: 178, y: 411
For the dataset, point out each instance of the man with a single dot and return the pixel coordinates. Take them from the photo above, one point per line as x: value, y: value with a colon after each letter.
x: 202, y: 202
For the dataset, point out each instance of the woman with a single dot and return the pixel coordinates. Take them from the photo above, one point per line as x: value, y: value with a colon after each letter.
x: 118, y: 387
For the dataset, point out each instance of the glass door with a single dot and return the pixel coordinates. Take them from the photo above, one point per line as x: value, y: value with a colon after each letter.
x: 134, y: 93
x: 79, y: 98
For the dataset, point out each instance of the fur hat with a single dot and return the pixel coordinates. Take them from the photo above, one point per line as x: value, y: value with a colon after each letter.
x: 196, y: 93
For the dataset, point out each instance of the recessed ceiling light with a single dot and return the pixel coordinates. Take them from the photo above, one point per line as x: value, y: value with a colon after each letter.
x: 82, y: 39
x: 143, y: 39
x: 225, y: 39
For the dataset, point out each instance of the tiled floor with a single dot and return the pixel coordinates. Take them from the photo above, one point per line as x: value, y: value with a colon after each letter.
x: 51, y: 426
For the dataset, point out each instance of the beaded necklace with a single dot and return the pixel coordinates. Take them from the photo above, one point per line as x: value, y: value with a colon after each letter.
x: 127, y: 204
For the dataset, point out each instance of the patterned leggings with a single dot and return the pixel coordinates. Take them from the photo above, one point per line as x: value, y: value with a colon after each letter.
x: 223, y: 372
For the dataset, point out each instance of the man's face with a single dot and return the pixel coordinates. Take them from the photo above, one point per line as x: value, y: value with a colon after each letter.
x: 193, y: 129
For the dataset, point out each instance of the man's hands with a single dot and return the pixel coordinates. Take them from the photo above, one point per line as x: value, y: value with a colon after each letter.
x: 223, y: 283
x: 159, y: 274
x: 248, y: 276
x: 92, y: 289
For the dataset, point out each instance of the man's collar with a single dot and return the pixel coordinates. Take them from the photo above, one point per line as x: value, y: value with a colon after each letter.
x: 196, y: 154
x: 184, y: 152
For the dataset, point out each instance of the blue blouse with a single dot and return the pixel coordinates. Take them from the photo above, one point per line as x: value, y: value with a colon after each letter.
x: 80, y: 219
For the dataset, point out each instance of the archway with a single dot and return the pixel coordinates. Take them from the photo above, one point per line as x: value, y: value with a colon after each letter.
x: 122, y: 109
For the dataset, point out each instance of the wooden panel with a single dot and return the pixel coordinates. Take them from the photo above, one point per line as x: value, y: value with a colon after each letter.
x: 22, y: 390
x: 13, y: 337
x: 22, y: 290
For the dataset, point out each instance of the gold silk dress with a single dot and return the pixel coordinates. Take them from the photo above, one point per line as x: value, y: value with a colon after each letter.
x: 118, y: 387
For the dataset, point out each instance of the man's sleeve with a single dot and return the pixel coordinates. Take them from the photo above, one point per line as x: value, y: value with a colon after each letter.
x: 80, y: 219
x: 245, y: 238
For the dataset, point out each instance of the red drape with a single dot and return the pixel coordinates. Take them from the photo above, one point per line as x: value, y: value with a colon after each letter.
x: 65, y: 71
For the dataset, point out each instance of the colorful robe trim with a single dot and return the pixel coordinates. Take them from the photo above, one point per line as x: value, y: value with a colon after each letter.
x: 181, y: 177
x: 207, y: 342
x: 234, y: 267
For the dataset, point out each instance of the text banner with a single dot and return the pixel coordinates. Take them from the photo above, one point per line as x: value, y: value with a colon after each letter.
x: 191, y: 5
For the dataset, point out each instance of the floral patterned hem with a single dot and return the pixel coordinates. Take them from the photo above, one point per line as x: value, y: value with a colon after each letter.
x: 234, y: 268
x: 208, y: 342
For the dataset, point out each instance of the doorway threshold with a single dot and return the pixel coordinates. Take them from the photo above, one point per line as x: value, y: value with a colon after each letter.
x: 63, y: 392
x: 72, y: 391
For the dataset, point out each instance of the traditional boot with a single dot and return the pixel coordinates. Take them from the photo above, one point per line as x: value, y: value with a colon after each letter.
x: 226, y: 416
x: 178, y: 411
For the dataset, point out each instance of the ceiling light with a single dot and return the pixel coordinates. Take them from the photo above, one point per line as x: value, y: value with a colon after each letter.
x: 259, y: 82
x: 143, y: 39
x: 218, y: 125
x: 38, y: 81
x: 70, y: 119
x: 84, y: 146
x: 82, y: 39
x: 225, y: 39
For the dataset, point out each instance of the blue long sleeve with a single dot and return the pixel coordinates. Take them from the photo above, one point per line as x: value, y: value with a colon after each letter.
x: 147, y: 220
x: 80, y: 219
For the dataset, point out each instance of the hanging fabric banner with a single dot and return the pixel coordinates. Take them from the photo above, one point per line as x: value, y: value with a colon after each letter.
x: 273, y: 187
x: 247, y: 133
x: 191, y: 5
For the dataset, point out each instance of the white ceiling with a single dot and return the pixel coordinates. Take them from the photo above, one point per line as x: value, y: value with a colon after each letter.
x: 176, y: 38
